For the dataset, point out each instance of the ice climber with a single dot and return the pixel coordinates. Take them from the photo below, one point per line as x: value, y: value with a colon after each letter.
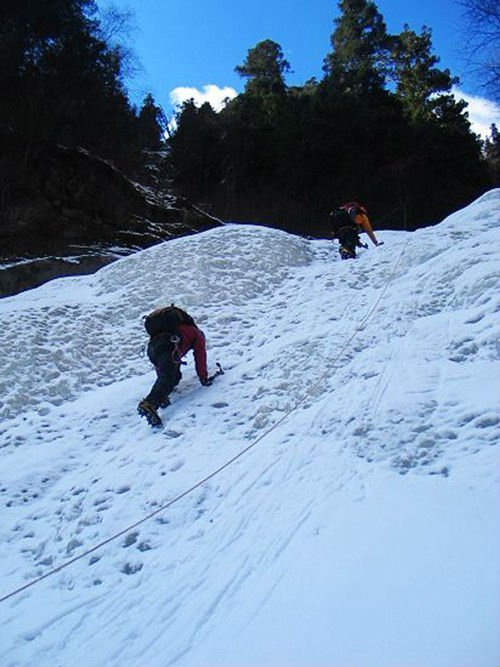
x: 172, y: 333
x: 347, y: 221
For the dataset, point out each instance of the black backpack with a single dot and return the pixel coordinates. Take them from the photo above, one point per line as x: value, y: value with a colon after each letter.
x: 165, y: 320
x: 340, y: 218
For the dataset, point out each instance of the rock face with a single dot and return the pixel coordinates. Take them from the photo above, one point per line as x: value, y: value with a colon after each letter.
x: 78, y: 213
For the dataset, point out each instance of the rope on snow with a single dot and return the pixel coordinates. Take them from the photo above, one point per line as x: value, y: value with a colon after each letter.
x: 213, y: 474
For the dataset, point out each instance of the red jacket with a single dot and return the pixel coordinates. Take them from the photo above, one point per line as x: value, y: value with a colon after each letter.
x: 193, y: 338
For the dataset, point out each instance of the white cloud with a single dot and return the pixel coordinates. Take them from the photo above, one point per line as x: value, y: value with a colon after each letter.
x: 482, y: 112
x: 210, y: 93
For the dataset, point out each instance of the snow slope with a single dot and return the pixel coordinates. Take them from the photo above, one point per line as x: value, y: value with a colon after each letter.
x: 361, y: 531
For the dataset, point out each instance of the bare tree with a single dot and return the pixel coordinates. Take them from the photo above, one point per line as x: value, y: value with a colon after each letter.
x: 482, y: 42
x: 117, y: 27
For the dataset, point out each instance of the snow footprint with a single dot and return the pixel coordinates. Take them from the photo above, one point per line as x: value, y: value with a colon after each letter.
x: 220, y: 404
x: 177, y: 465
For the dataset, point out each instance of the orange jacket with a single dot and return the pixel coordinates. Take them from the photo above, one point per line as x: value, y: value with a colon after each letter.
x: 362, y: 220
x: 358, y: 214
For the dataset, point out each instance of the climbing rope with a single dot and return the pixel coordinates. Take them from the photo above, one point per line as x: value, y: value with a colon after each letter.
x: 228, y: 463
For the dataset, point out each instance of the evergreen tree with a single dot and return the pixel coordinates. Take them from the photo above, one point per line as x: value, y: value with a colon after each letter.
x: 64, y: 82
x: 195, y: 150
x: 416, y: 75
x: 264, y: 67
x: 492, y: 154
x: 251, y: 120
x: 151, y: 124
x: 357, y: 64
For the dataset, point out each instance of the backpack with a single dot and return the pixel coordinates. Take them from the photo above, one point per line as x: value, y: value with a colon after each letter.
x: 165, y: 320
x: 340, y: 218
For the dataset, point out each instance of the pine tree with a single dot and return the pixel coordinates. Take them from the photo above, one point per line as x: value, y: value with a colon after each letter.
x: 195, y: 150
x: 357, y: 64
x: 64, y: 81
x: 264, y: 67
x: 416, y: 75
x: 492, y: 154
x: 151, y: 124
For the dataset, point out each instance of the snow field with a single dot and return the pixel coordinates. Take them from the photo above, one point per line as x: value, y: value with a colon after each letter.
x: 380, y: 486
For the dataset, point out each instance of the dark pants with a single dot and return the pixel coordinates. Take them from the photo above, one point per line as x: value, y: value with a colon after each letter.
x: 160, y: 351
x: 349, y: 238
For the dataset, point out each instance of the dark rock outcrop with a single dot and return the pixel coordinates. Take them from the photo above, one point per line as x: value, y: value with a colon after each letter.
x: 77, y: 213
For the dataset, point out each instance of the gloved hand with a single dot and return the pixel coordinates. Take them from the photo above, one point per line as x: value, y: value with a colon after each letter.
x: 206, y: 382
x: 380, y: 243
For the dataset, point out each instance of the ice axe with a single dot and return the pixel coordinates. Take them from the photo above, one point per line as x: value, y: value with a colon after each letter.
x: 219, y: 371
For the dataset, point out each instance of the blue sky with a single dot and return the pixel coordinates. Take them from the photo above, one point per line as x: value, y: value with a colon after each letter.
x: 191, y: 44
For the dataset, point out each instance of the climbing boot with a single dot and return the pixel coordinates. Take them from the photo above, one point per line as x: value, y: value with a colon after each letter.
x: 346, y: 253
x: 148, y: 410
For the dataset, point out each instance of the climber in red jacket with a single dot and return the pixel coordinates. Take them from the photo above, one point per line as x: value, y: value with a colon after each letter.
x: 172, y: 334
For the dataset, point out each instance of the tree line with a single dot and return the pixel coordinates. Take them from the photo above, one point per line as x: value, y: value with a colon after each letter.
x: 62, y: 83
x: 380, y: 126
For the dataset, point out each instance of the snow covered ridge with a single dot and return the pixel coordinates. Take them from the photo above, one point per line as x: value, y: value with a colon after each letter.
x: 361, y: 531
x: 86, y: 332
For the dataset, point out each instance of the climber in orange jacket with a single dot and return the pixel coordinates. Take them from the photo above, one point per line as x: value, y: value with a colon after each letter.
x: 347, y: 220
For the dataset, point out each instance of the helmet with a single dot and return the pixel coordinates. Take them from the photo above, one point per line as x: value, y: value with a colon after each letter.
x: 354, y: 204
